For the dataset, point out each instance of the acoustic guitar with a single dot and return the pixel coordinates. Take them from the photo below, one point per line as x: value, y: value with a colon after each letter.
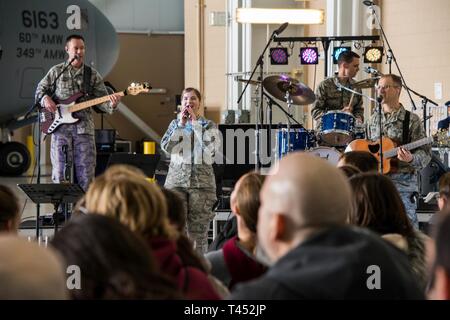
x: 389, y: 148
x: 50, y: 121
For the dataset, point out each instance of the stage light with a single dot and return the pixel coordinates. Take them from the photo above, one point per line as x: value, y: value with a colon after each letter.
x: 279, y: 56
x: 277, y: 16
x: 309, y: 55
x: 337, y: 51
x: 373, y: 55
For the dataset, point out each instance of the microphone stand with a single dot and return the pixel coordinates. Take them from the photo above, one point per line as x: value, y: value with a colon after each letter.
x: 380, y: 126
x: 391, y: 56
x: 38, y: 107
x: 260, y: 64
x: 425, y: 101
x: 378, y: 103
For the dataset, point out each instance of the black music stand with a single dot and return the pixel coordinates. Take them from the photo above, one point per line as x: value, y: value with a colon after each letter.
x: 146, y: 162
x: 54, y: 193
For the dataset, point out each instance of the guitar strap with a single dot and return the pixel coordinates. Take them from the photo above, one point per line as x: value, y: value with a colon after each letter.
x: 87, y: 87
x: 406, y: 128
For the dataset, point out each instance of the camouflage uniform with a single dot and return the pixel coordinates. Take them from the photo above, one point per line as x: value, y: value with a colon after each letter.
x: 329, y: 98
x: 79, y: 137
x: 191, y: 172
x: 405, y: 178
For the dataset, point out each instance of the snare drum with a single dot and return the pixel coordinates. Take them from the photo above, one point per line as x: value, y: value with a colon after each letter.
x: 337, y: 128
x: 299, y: 139
x: 326, y: 153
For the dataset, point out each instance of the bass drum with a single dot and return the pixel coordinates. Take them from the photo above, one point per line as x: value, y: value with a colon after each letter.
x: 329, y: 154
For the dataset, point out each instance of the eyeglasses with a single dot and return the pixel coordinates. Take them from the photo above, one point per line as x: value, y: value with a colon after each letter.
x: 386, y: 87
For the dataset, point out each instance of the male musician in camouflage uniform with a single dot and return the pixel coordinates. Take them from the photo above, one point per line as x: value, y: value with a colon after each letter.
x: 393, y: 116
x: 330, y: 97
x: 191, y: 142
x: 78, y: 137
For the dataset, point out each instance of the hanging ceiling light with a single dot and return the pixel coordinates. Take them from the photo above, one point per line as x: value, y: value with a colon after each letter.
x: 279, y: 56
x: 373, y: 55
x: 277, y: 16
x: 309, y: 55
x: 337, y: 51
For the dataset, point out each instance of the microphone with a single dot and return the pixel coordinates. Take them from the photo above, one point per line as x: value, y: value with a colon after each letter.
x: 371, y: 70
x: 379, y: 99
x: 186, y: 113
x: 368, y: 3
x: 76, y: 57
x: 281, y: 28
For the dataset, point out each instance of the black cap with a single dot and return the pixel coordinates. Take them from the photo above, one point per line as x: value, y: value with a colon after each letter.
x: 447, y: 104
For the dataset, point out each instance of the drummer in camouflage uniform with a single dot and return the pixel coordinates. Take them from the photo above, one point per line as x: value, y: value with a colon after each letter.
x: 393, y: 118
x: 328, y: 95
x: 191, y: 142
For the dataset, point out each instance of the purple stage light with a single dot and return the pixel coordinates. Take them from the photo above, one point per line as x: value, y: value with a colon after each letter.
x: 309, y: 55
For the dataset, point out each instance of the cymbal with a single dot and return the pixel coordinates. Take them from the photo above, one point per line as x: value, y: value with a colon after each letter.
x: 300, y: 93
x: 253, y: 82
x: 366, y: 83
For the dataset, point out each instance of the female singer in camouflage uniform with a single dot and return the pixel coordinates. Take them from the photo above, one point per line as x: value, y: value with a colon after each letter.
x: 191, y: 141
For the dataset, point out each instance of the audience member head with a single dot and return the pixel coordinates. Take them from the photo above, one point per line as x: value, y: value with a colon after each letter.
x: 244, y: 199
x: 30, y: 272
x: 114, y: 263
x: 176, y: 209
x: 301, y: 195
x: 9, y: 210
x: 363, y: 160
x: 440, y: 287
x: 132, y: 200
x: 444, y: 191
x: 377, y: 205
x: 349, y: 170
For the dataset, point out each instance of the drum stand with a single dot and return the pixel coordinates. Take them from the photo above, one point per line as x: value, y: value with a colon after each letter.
x: 289, y: 104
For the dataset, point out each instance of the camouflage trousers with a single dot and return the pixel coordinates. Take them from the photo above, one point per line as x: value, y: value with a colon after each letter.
x: 199, y: 203
x: 406, y: 184
x: 81, y: 152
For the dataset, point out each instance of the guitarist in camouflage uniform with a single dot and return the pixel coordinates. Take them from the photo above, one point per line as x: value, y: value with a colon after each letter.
x: 394, y: 117
x: 79, y: 137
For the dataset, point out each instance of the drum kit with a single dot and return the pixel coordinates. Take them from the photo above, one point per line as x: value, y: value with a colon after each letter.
x: 338, y: 129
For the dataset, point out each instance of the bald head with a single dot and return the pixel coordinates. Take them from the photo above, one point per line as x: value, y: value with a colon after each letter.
x: 310, y: 190
x: 306, y: 192
x: 28, y: 271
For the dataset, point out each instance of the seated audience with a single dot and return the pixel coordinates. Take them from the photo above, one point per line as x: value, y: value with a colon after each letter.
x: 30, y: 272
x: 236, y: 261
x: 377, y: 206
x: 444, y: 191
x: 114, y: 262
x: 440, y: 284
x: 302, y: 227
x: 126, y: 196
x: 9, y: 210
x: 349, y: 170
x: 177, y: 216
x: 363, y: 160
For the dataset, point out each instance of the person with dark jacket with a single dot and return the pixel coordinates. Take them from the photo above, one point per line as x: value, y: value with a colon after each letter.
x: 302, y: 228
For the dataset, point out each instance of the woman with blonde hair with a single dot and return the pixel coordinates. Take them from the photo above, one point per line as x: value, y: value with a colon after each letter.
x: 140, y: 205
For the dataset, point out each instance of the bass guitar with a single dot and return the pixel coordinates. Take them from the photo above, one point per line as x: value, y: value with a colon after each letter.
x: 50, y: 121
